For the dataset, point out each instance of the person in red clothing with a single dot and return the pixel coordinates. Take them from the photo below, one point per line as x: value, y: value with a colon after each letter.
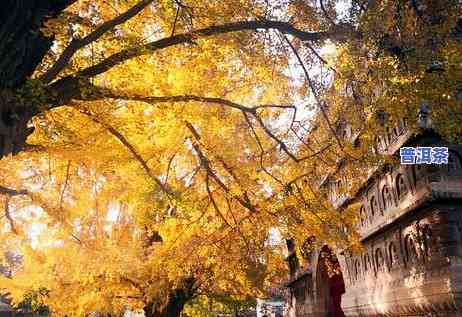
x: 337, y: 288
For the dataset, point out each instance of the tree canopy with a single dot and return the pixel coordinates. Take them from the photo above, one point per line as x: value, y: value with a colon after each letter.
x: 172, y: 145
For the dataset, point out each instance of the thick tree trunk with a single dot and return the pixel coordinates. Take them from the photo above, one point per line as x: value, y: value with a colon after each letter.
x: 176, y: 301
x: 13, y: 127
x: 22, y: 48
x: 22, y: 45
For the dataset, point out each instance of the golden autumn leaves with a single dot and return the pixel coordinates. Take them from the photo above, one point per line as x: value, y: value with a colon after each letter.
x: 182, y: 127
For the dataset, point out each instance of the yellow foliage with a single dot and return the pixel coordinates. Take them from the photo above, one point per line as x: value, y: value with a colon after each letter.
x: 178, y: 162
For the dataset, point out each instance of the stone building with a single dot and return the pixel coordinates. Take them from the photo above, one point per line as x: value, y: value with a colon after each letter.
x: 411, y: 229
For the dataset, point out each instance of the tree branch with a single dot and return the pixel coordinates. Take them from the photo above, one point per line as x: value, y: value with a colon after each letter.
x: 65, y: 184
x: 317, y: 98
x: 281, y: 144
x: 73, y: 88
x: 96, y: 93
x: 188, y: 98
x: 322, y: 59
x: 170, y: 160
x: 220, y: 101
x: 77, y: 44
x: 337, y: 33
x: 212, y: 200
x: 262, y: 150
x: 12, y: 192
x: 326, y: 14
x: 119, y: 136
x: 176, y: 19
x: 8, y: 215
x: 244, y: 201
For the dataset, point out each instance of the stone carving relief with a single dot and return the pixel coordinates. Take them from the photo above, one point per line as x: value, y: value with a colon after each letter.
x: 357, y: 269
x: 367, y: 264
x: 418, y: 244
x: 373, y: 206
x: 410, y: 249
x: 379, y: 261
x: 362, y: 216
x: 401, y: 186
x: 454, y: 161
x: 411, y: 244
x: 386, y: 198
x: 393, y: 255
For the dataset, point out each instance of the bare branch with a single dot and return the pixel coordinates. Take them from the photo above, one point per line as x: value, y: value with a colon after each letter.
x: 244, y: 200
x: 213, y: 100
x: 237, y: 226
x: 119, y: 136
x: 262, y: 150
x: 322, y: 59
x: 12, y: 192
x: 281, y: 144
x: 315, y: 153
x: 165, y: 188
x: 77, y: 239
x: 326, y: 14
x: 214, y: 204
x: 187, y: 98
x: 275, y: 106
x: 170, y: 160
x: 65, y: 184
x: 77, y: 44
x: 8, y: 215
x: 315, y: 93
x: 99, y: 93
x: 320, y: 103
x: 176, y: 19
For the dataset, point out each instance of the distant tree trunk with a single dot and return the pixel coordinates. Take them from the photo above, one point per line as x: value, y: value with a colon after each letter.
x: 176, y: 301
x: 22, y: 48
x: 236, y: 311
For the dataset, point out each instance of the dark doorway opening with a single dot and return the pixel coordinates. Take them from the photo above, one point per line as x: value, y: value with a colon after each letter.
x: 330, y: 285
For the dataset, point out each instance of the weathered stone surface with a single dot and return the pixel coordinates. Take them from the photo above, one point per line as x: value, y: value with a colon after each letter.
x: 5, y: 310
x: 411, y: 229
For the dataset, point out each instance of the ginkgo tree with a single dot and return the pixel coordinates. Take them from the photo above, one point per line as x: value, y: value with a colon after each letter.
x: 166, y: 139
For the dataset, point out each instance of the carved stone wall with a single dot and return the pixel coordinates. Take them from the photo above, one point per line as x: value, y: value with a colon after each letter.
x: 412, y: 268
x: 411, y: 229
x: 300, y: 297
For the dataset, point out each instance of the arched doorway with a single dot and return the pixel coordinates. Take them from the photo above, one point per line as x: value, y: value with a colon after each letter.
x: 329, y: 285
